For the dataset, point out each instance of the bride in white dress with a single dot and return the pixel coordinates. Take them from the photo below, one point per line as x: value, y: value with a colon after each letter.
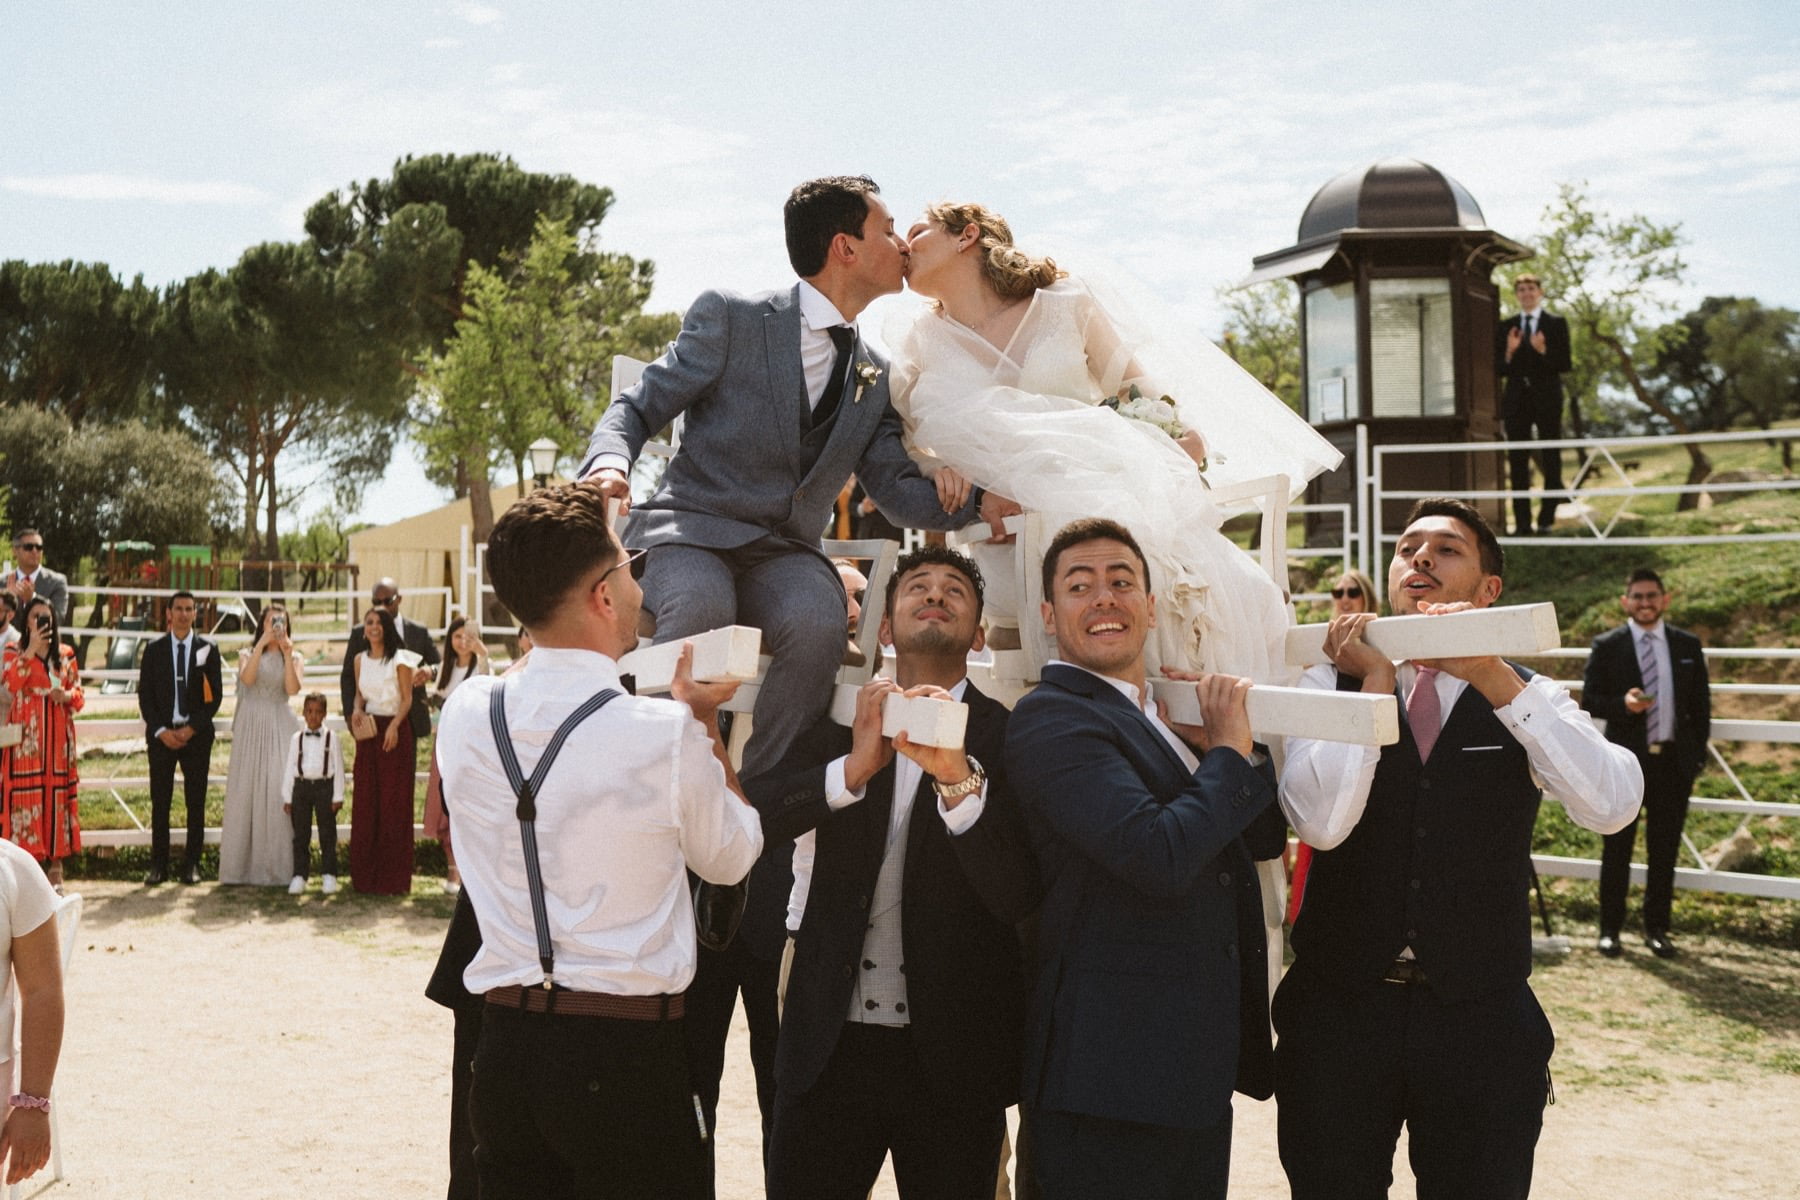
x: 1002, y: 382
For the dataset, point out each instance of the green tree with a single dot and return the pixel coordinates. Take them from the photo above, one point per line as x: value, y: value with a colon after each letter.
x: 492, y: 205
x: 531, y: 357
x: 74, y: 338
x: 88, y: 485
x: 1612, y: 277
x: 293, y: 353
x: 1262, y: 333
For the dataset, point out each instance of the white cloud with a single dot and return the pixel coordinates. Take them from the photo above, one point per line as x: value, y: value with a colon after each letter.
x: 442, y: 43
x: 507, y: 72
x: 479, y: 14
x: 102, y: 186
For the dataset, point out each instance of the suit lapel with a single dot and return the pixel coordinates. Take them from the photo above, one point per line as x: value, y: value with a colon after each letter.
x: 1082, y: 683
x: 787, y: 376
x: 878, y: 811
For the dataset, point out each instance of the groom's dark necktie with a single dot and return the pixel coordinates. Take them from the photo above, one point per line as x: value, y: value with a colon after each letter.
x: 844, y: 338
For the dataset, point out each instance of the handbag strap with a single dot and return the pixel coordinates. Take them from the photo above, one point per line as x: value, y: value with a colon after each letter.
x: 526, y: 791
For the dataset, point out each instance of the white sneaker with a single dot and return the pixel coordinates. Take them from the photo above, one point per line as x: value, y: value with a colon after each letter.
x: 296, y: 885
x: 328, y: 885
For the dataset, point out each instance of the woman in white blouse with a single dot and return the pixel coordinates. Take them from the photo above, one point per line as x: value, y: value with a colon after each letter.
x: 464, y: 655
x: 31, y: 978
x: 381, y: 805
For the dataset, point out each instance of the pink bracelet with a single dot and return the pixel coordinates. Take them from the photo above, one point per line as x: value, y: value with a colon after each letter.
x: 21, y: 1100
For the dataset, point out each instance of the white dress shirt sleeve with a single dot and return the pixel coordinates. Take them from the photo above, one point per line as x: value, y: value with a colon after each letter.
x: 1598, y: 783
x: 837, y: 794
x: 293, y: 768
x: 1325, y: 785
x: 962, y: 818
x: 720, y: 834
x: 334, y: 764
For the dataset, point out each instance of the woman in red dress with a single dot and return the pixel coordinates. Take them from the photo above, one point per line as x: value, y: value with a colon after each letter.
x: 43, y: 683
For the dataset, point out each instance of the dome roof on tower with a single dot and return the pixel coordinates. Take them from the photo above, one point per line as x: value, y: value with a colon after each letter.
x: 1395, y: 193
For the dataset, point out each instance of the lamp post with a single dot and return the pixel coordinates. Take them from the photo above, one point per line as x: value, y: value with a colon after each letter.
x: 543, y: 454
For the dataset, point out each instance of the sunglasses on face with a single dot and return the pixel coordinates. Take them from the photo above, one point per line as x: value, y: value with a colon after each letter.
x: 37, y: 546
x: 1354, y: 593
x: 633, y: 561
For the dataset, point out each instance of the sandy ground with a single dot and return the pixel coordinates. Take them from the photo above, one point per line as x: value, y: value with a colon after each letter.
x: 225, y: 1044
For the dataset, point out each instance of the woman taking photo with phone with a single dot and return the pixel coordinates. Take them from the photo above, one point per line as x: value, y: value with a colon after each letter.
x: 257, y: 840
x: 43, y: 682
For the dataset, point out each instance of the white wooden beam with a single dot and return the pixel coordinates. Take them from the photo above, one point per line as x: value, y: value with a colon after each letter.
x: 1515, y: 629
x: 720, y: 656
x: 1297, y: 712
x: 926, y: 720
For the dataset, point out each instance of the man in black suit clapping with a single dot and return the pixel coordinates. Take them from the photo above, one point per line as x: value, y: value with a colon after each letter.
x: 179, y: 691
x: 1533, y: 353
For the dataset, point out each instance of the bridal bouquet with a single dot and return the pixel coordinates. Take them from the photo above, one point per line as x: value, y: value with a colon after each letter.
x: 1159, y: 412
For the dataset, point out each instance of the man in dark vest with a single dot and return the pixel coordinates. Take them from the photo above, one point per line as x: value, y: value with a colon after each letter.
x: 1407, y: 1002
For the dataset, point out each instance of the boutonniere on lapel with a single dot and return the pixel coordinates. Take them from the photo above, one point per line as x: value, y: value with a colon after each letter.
x: 200, y: 655
x: 867, y: 375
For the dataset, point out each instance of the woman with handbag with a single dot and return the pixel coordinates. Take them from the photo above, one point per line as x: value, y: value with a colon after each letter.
x: 381, y: 805
x: 43, y: 681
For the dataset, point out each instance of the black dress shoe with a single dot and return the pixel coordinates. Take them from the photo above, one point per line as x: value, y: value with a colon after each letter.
x: 190, y: 875
x: 155, y: 876
x: 1609, y: 945
x: 1660, y: 945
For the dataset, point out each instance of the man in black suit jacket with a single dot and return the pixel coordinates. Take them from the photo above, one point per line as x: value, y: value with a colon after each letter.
x: 1150, y: 1002
x: 904, y: 1003
x: 179, y: 691
x: 1648, y: 682
x: 1531, y: 356
x: 414, y: 636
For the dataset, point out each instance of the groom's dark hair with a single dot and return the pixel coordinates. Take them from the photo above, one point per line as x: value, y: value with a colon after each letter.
x: 820, y: 209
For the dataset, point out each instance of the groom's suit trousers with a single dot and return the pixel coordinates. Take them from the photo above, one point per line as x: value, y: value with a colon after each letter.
x: 791, y: 593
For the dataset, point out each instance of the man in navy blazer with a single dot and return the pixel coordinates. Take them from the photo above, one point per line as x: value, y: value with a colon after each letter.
x: 780, y: 401
x: 1647, y: 680
x: 179, y: 691
x: 1150, y: 1002
x: 905, y: 1001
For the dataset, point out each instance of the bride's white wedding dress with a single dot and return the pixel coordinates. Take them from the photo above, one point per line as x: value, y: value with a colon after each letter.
x: 1025, y: 420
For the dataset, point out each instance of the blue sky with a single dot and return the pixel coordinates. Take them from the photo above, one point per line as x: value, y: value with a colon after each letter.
x: 164, y: 138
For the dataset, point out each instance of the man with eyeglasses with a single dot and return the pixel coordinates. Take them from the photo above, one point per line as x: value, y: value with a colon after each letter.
x: 1647, y: 680
x: 413, y: 636
x: 30, y: 577
x: 581, y: 1084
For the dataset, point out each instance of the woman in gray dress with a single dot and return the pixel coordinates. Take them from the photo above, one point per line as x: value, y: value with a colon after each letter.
x: 256, y: 845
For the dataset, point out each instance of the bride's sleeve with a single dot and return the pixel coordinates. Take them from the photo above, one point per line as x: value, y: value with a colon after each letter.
x: 1112, y: 360
x: 903, y: 377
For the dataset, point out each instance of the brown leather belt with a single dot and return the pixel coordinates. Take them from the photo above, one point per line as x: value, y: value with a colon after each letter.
x: 1401, y: 970
x: 565, y: 1003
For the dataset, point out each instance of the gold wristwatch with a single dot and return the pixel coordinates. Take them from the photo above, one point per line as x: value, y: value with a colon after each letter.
x: 967, y: 787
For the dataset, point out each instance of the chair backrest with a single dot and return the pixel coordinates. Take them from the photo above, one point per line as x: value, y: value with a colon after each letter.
x: 881, y: 554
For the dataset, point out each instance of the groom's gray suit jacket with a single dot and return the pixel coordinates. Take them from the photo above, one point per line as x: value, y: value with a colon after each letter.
x: 750, y: 462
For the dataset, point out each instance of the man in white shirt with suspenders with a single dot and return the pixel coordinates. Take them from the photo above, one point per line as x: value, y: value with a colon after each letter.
x: 578, y: 877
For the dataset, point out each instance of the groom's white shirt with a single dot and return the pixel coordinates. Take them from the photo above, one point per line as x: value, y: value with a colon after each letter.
x: 817, y: 353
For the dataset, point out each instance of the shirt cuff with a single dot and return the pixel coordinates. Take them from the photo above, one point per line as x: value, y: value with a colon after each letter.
x: 958, y: 820
x: 1530, y: 710
x: 601, y: 462
x: 836, y: 794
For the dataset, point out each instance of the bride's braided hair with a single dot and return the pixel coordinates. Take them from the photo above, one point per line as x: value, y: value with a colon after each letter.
x: 1008, y: 270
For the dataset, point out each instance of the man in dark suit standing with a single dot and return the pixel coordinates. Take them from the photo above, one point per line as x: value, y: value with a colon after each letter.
x: 905, y: 999
x: 1408, y: 1003
x: 1150, y: 1001
x: 179, y: 691
x: 413, y: 636
x: 1647, y: 680
x: 1532, y: 354
x: 30, y: 577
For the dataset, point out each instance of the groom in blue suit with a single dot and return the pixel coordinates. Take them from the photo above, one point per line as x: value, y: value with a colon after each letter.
x: 1150, y: 1002
x: 783, y: 401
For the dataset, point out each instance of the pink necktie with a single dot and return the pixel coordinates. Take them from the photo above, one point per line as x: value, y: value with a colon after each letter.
x: 1423, y: 713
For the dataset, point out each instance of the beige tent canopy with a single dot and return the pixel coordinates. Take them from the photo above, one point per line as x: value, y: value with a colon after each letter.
x: 422, y: 552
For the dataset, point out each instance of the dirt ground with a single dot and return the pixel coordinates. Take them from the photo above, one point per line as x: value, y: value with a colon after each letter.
x: 237, y: 1043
